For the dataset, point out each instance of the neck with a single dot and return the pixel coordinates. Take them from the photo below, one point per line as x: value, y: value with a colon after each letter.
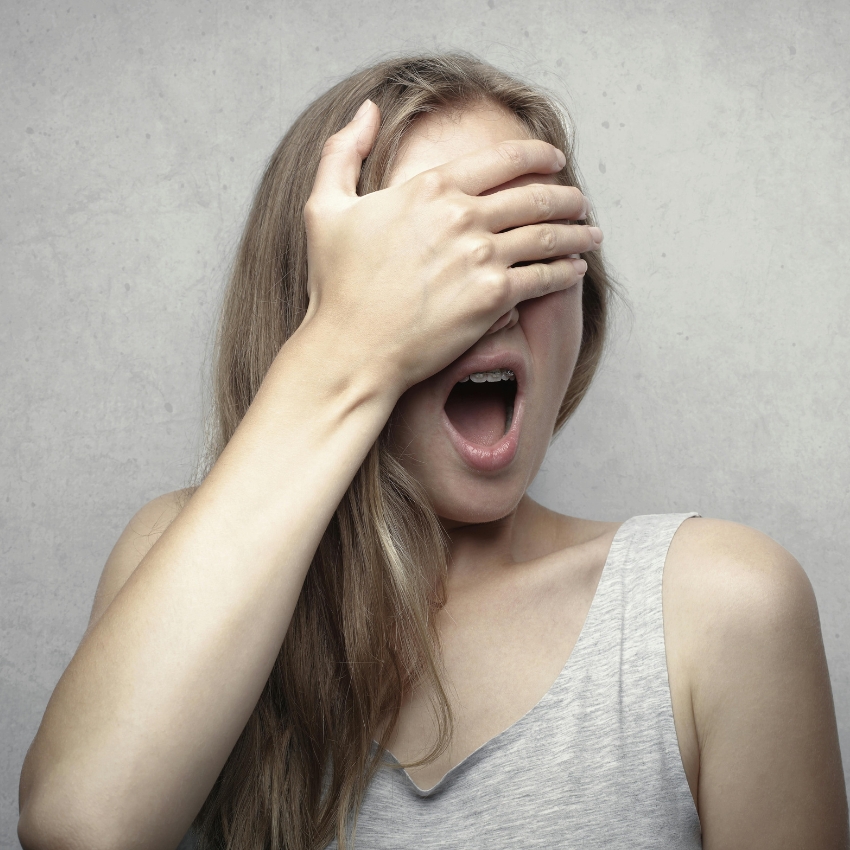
x: 481, y: 550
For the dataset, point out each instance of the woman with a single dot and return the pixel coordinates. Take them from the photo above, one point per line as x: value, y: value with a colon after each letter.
x: 361, y: 580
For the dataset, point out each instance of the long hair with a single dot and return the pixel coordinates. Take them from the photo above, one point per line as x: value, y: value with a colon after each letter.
x: 363, y: 631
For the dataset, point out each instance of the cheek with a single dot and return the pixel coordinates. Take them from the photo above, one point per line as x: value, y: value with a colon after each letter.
x: 553, y: 326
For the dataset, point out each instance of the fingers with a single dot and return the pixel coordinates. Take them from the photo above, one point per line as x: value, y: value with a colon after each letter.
x: 484, y: 169
x: 542, y: 241
x: 531, y: 204
x: 344, y: 152
x: 538, y: 279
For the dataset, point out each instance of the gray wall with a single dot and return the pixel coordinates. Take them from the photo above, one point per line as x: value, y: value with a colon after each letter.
x: 713, y: 137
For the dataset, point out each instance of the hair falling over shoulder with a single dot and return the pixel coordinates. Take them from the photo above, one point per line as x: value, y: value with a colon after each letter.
x: 363, y: 630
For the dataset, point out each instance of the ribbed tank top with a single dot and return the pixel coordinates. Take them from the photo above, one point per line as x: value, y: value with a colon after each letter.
x: 594, y: 764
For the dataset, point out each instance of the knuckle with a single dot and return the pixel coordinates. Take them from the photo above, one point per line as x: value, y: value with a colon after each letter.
x: 511, y: 154
x: 481, y: 250
x: 459, y: 217
x: 433, y: 183
x: 545, y: 277
x: 548, y: 238
x: 541, y: 202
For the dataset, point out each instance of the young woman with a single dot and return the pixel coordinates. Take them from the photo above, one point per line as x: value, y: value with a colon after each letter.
x: 361, y: 583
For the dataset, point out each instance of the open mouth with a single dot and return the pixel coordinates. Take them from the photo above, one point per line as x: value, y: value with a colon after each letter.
x: 480, y: 407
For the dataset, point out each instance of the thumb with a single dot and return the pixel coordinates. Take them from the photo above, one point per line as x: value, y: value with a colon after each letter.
x: 344, y: 152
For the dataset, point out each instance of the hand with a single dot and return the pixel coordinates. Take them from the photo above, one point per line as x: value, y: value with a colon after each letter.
x: 408, y: 278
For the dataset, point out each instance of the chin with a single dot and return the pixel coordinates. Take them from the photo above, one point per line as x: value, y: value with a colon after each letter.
x: 474, y: 514
x: 465, y: 502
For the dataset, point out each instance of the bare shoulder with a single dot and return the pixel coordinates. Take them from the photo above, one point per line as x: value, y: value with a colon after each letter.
x: 142, y: 531
x: 723, y: 564
x: 733, y: 596
x: 728, y: 542
x: 731, y: 584
x: 148, y: 523
x: 745, y: 653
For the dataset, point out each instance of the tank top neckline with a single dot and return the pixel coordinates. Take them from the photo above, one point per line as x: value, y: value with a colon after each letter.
x: 604, y: 582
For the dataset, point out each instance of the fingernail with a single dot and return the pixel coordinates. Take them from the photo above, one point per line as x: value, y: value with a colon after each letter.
x: 580, y: 266
x: 560, y: 159
x: 596, y: 233
x: 362, y: 111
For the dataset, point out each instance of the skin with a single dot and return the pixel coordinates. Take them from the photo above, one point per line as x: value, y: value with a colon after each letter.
x: 748, y: 678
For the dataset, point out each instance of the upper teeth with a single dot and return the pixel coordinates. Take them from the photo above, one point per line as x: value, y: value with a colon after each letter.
x: 494, y: 375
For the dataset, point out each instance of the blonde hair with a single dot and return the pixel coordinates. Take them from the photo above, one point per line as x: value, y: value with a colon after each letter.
x: 363, y: 630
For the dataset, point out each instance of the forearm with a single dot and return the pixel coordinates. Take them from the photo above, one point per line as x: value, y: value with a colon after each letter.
x: 156, y: 696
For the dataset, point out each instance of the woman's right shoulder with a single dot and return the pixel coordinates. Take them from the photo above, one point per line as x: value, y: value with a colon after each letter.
x: 163, y: 508
x: 142, y: 531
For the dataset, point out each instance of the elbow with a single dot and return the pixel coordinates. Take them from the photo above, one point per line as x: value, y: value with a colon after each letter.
x: 45, y: 826
x: 62, y: 822
x: 35, y: 833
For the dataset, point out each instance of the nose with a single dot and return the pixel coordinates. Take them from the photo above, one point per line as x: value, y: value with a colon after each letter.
x: 507, y: 320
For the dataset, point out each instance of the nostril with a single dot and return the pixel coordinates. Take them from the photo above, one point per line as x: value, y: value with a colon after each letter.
x: 506, y: 320
x: 500, y: 323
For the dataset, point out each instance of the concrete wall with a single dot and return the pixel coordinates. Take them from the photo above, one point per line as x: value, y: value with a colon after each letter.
x: 713, y: 137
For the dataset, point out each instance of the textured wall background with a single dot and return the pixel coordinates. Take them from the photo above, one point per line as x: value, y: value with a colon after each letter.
x: 714, y: 140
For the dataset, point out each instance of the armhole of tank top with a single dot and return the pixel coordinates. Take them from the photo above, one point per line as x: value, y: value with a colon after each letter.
x: 670, y: 717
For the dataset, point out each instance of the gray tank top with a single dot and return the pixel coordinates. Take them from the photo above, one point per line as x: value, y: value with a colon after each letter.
x: 595, y: 764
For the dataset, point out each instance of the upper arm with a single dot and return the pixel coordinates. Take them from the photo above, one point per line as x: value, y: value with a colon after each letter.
x: 770, y: 769
x: 143, y: 530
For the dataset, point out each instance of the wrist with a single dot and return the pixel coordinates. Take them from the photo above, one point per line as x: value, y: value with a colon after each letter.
x: 313, y: 419
x: 339, y: 371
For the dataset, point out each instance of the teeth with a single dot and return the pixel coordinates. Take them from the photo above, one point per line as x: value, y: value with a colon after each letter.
x: 490, y: 377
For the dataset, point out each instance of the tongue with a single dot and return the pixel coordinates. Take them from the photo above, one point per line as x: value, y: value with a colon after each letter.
x: 477, y: 417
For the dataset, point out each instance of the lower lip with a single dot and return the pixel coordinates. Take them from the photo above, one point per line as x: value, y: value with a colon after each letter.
x: 489, y: 458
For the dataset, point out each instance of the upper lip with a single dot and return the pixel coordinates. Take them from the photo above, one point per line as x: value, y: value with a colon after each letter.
x: 486, y: 362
